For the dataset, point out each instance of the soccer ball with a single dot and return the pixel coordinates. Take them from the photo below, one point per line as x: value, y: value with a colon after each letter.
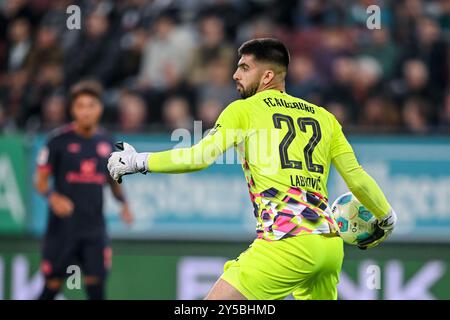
x: 355, y: 222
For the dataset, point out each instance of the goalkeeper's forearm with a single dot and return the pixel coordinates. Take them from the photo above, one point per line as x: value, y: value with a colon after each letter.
x: 182, y: 160
x: 362, y: 185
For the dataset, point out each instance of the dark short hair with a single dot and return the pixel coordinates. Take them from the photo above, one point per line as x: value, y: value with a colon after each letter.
x: 89, y: 87
x: 266, y: 49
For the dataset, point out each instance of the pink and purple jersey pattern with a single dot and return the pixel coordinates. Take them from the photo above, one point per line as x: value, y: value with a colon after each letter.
x: 287, y: 213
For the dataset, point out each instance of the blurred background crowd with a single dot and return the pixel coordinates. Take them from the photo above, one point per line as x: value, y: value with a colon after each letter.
x: 165, y: 63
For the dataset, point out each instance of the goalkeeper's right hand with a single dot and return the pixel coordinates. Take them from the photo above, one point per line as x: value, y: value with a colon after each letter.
x: 126, y: 161
x: 382, y: 230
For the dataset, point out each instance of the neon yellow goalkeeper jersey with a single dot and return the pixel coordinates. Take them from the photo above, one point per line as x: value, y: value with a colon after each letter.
x: 285, y: 146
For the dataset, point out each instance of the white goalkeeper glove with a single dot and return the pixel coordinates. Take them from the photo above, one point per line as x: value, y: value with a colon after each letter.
x: 389, y: 221
x: 382, y: 230
x: 126, y: 161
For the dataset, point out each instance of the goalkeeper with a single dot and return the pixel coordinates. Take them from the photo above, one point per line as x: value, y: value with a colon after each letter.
x: 286, y: 146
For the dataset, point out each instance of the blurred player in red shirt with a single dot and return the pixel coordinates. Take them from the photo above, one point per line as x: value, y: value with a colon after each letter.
x: 75, y: 156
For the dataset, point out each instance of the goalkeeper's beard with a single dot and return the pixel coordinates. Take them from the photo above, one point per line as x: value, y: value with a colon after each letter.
x: 250, y: 91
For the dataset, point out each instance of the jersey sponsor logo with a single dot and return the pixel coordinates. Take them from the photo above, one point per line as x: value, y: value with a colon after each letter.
x: 103, y: 149
x: 88, y: 173
x: 74, y: 147
x: 278, y: 102
x: 88, y: 167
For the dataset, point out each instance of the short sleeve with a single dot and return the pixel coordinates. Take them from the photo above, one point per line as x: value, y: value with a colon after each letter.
x: 47, y: 157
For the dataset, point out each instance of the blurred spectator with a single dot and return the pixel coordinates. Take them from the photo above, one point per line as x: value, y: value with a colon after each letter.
x: 382, y: 49
x: 340, y: 88
x: 379, y: 115
x: 177, y: 114
x: 132, y: 113
x: 311, y: 12
x: 218, y: 85
x: 45, y: 50
x: 94, y: 53
x: 53, y: 112
x: 51, y: 75
x: 44, y: 70
x: 232, y: 12
x: 208, y: 111
x: 406, y: 14
x: 416, y: 75
x: 317, y: 12
x: 302, y: 80
x: 415, y: 82
x: 19, y: 43
x: 259, y: 27
x: 130, y: 57
x: 19, y: 9
x: 366, y: 79
x: 133, y: 14
x: 416, y: 115
x: 46, y: 82
x: 213, y: 46
x: 130, y: 21
x: 166, y: 54
x: 333, y: 43
x: 340, y: 111
x: 433, y: 50
x: 14, y: 94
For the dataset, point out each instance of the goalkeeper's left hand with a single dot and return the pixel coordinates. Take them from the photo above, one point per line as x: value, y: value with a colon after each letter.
x: 126, y: 161
x: 382, y: 230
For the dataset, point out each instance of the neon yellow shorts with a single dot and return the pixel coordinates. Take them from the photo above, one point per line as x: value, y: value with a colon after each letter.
x: 305, y: 266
